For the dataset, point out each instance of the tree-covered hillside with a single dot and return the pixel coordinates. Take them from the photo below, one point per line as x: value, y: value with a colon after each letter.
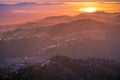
x: 63, y: 68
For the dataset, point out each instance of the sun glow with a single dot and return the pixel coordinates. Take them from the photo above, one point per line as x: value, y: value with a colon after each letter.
x: 88, y: 9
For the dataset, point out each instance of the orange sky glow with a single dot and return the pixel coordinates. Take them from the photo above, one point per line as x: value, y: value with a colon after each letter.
x: 20, y: 14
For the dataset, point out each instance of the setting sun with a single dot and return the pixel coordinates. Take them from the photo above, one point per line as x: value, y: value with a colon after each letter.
x: 88, y: 9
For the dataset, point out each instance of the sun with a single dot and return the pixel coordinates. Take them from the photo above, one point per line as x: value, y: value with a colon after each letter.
x: 88, y: 9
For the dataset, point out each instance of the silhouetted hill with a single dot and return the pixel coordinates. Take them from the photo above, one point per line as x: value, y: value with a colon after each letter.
x: 63, y: 68
x: 77, y: 26
x: 53, y: 20
x: 99, y: 16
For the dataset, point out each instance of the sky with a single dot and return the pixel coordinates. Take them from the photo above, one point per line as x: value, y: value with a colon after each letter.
x: 19, y: 14
x: 16, y: 1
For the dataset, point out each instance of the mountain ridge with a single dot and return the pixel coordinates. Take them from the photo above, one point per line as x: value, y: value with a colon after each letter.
x: 63, y: 68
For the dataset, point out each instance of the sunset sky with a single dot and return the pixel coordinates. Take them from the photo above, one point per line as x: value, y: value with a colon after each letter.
x: 16, y: 13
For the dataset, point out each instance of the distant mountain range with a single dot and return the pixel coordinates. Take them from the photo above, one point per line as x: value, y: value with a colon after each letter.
x: 80, y: 36
x: 110, y: 18
x: 19, y: 4
x: 81, y: 47
x: 77, y: 26
x: 62, y: 48
x: 29, y: 4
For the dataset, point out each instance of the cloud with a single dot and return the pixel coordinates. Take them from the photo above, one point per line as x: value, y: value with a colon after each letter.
x: 23, y: 11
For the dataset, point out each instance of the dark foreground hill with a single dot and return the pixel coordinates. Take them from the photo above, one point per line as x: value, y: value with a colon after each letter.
x: 63, y: 68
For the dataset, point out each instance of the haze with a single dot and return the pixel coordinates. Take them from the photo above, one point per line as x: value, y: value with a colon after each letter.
x: 30, y: 11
